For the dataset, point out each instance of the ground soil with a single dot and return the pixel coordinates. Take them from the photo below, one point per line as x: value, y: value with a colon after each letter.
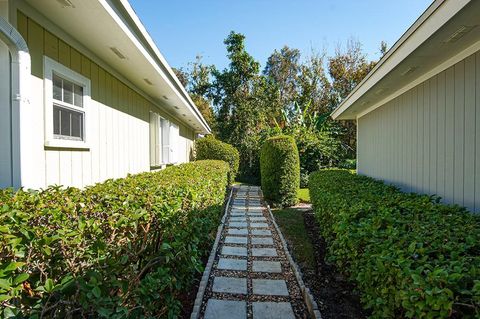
x: 335, y: 296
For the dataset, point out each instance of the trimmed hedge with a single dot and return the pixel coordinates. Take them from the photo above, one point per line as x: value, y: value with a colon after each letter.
x: 211, y: 148
x: 280, y: 170
x: 125, y: 248
x: 409, y: 255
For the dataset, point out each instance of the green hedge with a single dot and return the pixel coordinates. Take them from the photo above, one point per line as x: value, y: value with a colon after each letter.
x: 211, y: 148
x: 280, y: 170
x: 409, y: 255
x: 125, y: 248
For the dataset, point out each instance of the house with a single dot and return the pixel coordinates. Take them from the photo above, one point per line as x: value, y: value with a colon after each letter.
x: 418, y: 110
x: 85, y: 95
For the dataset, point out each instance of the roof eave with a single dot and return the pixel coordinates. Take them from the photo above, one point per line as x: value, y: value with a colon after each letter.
x: 405, y: 46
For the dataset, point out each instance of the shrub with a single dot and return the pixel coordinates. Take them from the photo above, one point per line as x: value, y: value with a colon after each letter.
x: 280, y: 170
x: 348, y: 164
x: 409, y: 255
x: 125, y: 248
x: 316, y: 150
x: 211, y: 148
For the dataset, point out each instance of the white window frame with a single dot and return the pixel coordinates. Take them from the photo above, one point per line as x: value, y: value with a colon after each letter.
x: 49, y: 67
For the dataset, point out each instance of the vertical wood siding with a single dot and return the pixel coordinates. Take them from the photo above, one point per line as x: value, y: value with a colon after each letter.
x: 119, y: 137
x: 428, y: 139
x: 5, y: 127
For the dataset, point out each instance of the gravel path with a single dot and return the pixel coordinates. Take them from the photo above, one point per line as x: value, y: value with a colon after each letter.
x: 251, y: 276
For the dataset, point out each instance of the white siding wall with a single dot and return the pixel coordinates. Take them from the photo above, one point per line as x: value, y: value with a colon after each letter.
x: 5, y: 112
x: 428, y: 139
x: 120, y: 131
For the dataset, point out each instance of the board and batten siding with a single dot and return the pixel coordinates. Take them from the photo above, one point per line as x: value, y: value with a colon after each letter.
x: 427, y: 140
x: 119, y: 137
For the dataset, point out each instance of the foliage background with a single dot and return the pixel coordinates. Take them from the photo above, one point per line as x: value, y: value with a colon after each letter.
x: 292, y: 95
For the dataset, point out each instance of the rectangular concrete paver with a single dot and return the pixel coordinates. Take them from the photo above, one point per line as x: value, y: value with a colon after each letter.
x: 238, y: 219
x: 238, y: 224
x: 220, y: 309
x: 264, y: 252
x: 258, y: 225
x: 230, y: 285
x: 235, y: 240
x: 266, y: 266
x: 243, y: 214
x: 232, y: 264
x: 272, y: 310
x: 271, y: 287
x: 235, y: 231
x: 257, y: 218
x: 234, y: 251
x: 262, y: 241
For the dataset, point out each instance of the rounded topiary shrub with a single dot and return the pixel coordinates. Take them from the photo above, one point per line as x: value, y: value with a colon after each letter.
x: 211, y: 148
x: 280, y: 170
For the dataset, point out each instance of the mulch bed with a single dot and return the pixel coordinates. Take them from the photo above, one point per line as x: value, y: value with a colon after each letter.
x: 334, y: 295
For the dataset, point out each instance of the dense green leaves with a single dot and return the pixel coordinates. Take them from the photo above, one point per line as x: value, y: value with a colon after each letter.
x: 125, y: 248
x: 211, y: 148
x: 409, y: 255
x: 280, y: 170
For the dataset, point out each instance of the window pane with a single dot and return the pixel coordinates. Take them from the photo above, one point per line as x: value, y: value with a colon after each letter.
x: 77, y: 124
x: 67, y: 92
x: 67, y: 123
x: 78, y: 98
x: 57, y: 87
x: 56, y: 120
x: 64, y: 122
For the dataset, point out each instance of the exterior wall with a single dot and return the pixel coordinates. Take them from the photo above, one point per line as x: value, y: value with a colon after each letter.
x: 5, y: 111
x: 427, y: 140
x: 119, y: 137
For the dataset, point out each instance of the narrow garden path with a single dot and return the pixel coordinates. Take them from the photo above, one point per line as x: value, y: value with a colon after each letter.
x: 251, y: 276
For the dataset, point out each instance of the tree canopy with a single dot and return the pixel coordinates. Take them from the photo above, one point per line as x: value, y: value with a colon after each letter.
x: 244, y: 104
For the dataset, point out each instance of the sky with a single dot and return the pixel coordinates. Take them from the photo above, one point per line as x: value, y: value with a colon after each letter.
x: 183, y: 29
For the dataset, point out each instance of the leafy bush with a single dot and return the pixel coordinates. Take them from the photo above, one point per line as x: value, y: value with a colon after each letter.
x: 316, y: 150
x: 348, y: 164
x: 125, y: 248
x: 280, y: 170
x: 211, y: 148
x: 409, y: 255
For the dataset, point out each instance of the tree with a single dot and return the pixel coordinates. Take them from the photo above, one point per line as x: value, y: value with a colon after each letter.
x: 182, y: 76
x: 232, y: 87
x: 206, y: 109
x: 282, y: 69
x: 348, y: 68
x: 200, y: 78
x: 314, y: 86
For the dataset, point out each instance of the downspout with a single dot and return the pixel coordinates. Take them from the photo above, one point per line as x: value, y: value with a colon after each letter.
x: 19, y: 102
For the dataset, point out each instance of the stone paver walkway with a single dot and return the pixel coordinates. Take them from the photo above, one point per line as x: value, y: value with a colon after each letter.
x: 251, y: 276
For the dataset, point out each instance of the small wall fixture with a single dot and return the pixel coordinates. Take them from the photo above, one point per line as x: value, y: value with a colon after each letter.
x: 460, y: 32
x: 148, y: 81
x: 66, y: 4
x: 165, y: 97
x: 409, y: 70
x: 118, y: 53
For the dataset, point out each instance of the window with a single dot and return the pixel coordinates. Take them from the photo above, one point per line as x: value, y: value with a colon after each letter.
x: 67, y: 95
x: 163, y: 135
